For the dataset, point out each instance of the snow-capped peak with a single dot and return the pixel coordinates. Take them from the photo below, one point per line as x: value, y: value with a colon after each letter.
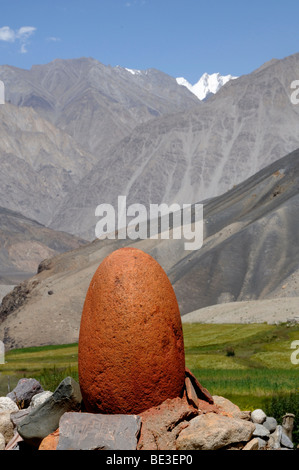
x: 133, y: 71
x: 207, y: 84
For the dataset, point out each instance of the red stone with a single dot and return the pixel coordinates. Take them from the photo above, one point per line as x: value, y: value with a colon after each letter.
x: 50, y: 442
x: 131, y: 350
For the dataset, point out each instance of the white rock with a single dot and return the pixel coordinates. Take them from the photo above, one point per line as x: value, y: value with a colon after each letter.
x: 258, y: 416
x: 252, y: 445
x: 7, y: 404
x: 40, y: 398
x: 2, y: 442
x: 6, y: 426
x: 212, y: 431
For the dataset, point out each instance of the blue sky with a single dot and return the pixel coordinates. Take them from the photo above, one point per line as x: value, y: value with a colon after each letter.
x: 180, y: 37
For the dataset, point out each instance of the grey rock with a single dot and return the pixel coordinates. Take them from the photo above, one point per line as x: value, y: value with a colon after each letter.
x: 24, y: 391
x: 286, y: 441
x: 258, y: 416
x: 86, y: 431
x: 270, y: 423
x: 44, y: 419
x: 261, y: 443
x: 275, y: 438
x: 261, y: 431
x: 17, y: 416
x: 279, y: 439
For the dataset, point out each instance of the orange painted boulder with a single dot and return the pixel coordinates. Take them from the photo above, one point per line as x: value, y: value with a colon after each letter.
x: 131, y: 350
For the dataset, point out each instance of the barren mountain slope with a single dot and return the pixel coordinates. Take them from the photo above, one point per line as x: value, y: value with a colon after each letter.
x: 194, y: 155
x: 39, y: 163
x: 96, y: 104
x: 250, y: 252
x: 24, y: 243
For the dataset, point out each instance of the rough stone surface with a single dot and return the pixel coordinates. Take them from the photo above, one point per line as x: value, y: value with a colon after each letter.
x: 261, y: 431
x: 14, y: 442
x: 6, y: 426
x: 88, y: 431
x: 252, y: 445
x: 44, y: 419
x: 286, y: 441
x: 261, y: 442
x: 162, y: 424
x: 50, y: 442
x: 275, y: 438
x: 40, y: 398
x: 2, y: 442
x: 24, y: 391
x: 201, y: 392
x: 191, y: 393
x: 258, y: 416
x: 131, y: 351
x: 270, y: 423
x: 17, y: 416
x: 7, y: 404
x: 213, y: 431
x: 227, y: 407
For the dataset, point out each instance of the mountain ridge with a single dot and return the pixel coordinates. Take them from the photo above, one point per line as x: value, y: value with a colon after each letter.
x: 193, y: 155
x: 250, y: 253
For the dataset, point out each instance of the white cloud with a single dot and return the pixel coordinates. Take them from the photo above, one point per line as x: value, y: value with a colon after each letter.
x: 7, y: 34
x: 22, y: 35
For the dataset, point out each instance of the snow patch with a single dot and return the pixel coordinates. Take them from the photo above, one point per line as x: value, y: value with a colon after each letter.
x: 206, y: 84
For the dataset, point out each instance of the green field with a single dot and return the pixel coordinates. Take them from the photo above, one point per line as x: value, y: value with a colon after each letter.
x: 245, y: 363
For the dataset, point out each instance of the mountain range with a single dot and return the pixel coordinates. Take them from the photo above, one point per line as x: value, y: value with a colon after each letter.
x: 82, y: 133
x: 193, y: 155
x: 250, y: 253
x: 76, y: 133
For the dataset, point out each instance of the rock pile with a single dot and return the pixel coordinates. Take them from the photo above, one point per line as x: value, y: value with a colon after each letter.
x: 193, y: 421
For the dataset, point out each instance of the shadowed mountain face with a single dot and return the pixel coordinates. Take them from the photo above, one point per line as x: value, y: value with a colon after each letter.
x: 24, y: 243
x: 39, y: 163
x: 196, y: 154
x: 250, y: 252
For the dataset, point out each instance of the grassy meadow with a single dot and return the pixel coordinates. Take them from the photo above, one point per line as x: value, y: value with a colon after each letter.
x: 247, y: 364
